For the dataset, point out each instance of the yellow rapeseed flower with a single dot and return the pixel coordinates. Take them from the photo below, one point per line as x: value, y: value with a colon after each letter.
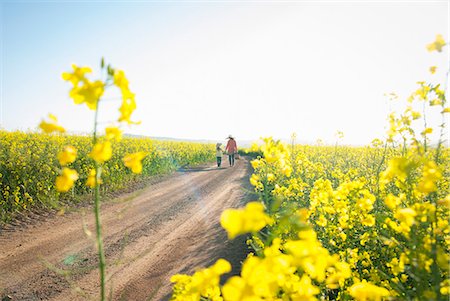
x: 406, y: 215
x: 437, y: 44
x: 127, y: 108
x: 366, y: 291
x: 102, y: 152
x: 134, y: 161
x: 120, y: 80
x: 254, y: 180
x: 368, y: 220
x: 430, y: 175
x: 204, y: 284
x: 89, y: 93
x: 113, y: 132
x: 68, y: 155
x: 240, y: 221
x: 427, y: 131
x: 433, y: 69
x: 66, y: 180
x: 78, y: 74
x: 90, y: 182
x: 52, y: 125
x: 392, y: 201
x: 256, y: 163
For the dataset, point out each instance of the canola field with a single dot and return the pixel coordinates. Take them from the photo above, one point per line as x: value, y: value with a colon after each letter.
x: 29, y: 165
x: 338, y: 223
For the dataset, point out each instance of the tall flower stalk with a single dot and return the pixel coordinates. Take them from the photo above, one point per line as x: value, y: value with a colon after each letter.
x: 85, y: 91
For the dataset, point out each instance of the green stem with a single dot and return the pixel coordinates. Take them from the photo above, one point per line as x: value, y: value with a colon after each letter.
x: 379, y: 168
x: 98, y: 227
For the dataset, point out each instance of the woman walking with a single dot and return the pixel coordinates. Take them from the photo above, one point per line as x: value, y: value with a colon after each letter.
x: 231, y: 149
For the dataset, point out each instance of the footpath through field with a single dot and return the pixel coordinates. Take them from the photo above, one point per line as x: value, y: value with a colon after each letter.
x: 166, y: 228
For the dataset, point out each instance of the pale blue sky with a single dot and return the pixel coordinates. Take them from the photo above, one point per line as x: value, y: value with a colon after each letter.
x: 204, y: 70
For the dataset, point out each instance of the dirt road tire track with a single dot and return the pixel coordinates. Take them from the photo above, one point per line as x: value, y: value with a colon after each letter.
x: 167, y: 228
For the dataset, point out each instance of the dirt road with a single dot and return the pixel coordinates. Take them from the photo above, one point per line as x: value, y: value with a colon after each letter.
x: 166, y: 228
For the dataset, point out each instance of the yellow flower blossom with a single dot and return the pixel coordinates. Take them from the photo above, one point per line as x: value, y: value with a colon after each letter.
x: 445, y: 287
x: 343, y: 236
x: 68, y: 155
x: 427, y: 131
x: 270, y: 177
x: 204, y: 283
x: 240, y: 221
x: 364, y: 239
x: 254, y: 179
x: 127, y: 108
x: 445, y: 201
x: 90, y: 182
x: 322, y: 221
x: 120, y: 80
x: 89, y: 93
x: 134, y: 161
x: 255, y: 163
x: 433, y: 69
x: 77, y: 76
x: 102, y: 152
x: 366, y: 291
x: 368, y: 220
x: 406, y: 215
x: 415, y: 115
x: 128, y: 98
x: 113, y: 133
x: 431, y: 174
x: 392, y: 201
x: 399, y: 167
x: 52, y: 125
x: 437, y: 44
x: 435, y: 102
x: 66, y: 180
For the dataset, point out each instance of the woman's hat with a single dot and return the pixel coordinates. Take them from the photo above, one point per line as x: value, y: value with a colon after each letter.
x: 230, y: 137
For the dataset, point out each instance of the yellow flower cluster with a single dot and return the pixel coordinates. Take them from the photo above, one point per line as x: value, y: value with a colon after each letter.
x: 202, y: 284
x: 84, y: 90
x: 250, y: 219
x: 90, y: 92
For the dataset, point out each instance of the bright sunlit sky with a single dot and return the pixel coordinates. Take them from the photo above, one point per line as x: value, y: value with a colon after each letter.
x: 204, y: 70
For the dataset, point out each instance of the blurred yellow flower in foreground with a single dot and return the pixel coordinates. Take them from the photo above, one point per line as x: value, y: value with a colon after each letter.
x: 433, y: 69
x: 78, y: 74
x: 65, y: 181
x: 437, y: 44
x: 91, y: 179
x: 365, y: 291
x: 203, y: 285
x: 127, y: 108
x: 128, y: 101
x: 68, y: 155
x: 113, y: 132
x: 239, y: 221
x: 134, y: 161
x: 102, y: 152
x: 52, y: 125
x: 89, y: 93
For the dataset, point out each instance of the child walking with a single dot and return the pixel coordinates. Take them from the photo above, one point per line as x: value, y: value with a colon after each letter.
x: 219, y: 154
